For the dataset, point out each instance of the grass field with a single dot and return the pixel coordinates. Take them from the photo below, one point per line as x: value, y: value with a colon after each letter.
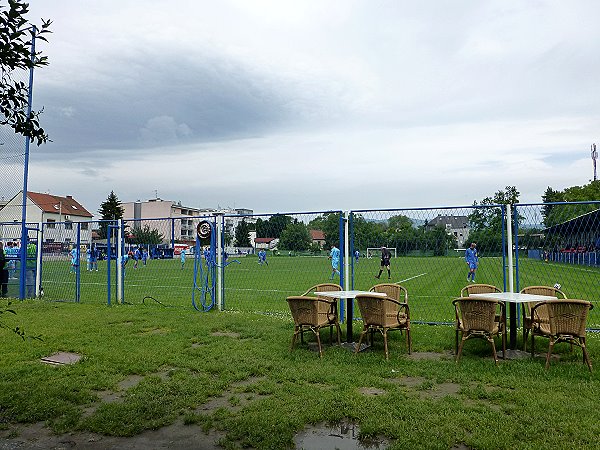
x: 432, y: 282
x: 146, y: 367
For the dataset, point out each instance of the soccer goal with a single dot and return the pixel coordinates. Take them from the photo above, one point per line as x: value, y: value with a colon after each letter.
x: 376, y: 252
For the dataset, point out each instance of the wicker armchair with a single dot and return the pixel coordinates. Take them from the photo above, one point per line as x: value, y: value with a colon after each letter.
x: 384, y: 314
x: 566, y: 323
x: 542, y: 313
x: 478, y: 289
x: 313, y: 313
x: 464, y: 293
x: 477, y: 318
x: 323, y: 287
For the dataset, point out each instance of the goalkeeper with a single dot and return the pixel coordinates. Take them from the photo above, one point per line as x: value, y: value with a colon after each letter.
x: 385, y: 262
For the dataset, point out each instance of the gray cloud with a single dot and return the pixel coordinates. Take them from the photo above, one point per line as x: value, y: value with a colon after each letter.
x: 171, y: 101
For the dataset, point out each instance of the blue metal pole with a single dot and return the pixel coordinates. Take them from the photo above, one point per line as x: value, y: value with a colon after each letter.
x: 78, y: 266
x: 221, y: 268
x: 23, y: 255
x: 108, y: 258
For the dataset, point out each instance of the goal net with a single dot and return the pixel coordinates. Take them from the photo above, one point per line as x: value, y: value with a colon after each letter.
x: 376, y: 252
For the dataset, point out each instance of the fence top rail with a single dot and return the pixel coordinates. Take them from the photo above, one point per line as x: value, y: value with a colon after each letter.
x: 587, y: 202
x: 429, y: 208
x: 283, y: 213
x: 208, y: 216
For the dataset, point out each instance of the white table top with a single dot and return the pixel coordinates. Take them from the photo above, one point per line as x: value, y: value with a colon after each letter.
x: 347, y: 294
x: 513, y: 297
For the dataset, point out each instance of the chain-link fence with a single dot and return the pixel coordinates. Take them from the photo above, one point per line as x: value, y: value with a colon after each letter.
x: 559, y: 244
x: 159, y: 260
x: 428, y: 253
x: 265, y: 258
x: 271, y: 257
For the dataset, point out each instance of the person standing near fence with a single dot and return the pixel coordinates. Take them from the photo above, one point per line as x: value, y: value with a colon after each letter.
x: 3, y: 272
x: 182, y: 258
x: 12, y: 253
x: 386, y: 255
x: 334, y: 256
x: 472, y: 260
x: 74, y: 260
x: 94, y: 255
x: 30, y: 269
x: 88, y: 254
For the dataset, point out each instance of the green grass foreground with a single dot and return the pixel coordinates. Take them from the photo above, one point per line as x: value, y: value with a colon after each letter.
x: 181, y: 359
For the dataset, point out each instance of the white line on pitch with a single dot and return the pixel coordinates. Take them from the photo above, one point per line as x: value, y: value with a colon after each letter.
x: 416, y: 276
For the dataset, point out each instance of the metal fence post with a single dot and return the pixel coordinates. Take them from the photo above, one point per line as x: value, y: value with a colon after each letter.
x: 219, y: 218
x: 346, y: 250
x: 38, y: 268
x: 509, y: 237
x: 119, y: 245
x: 78, y: 266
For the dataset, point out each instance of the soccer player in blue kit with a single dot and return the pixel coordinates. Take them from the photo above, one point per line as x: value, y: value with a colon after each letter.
x: 472, y: 260
x: 334, y: 255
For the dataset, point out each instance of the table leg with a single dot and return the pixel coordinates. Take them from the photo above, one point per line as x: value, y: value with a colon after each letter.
x: 512, y: 308
x: 349, y: 318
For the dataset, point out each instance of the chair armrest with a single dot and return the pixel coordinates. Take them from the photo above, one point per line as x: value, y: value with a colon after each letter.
x: 403, y: 307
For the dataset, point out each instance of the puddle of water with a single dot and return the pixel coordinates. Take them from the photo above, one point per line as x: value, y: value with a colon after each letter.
x: 340, y: 436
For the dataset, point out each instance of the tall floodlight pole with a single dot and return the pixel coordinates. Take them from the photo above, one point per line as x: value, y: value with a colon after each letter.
x: 594, y: 158
x: 23, y: 256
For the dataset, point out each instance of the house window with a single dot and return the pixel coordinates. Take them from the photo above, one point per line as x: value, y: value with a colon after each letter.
x: 84, y: 225
x: 51, y: 223
x: 68, y: 225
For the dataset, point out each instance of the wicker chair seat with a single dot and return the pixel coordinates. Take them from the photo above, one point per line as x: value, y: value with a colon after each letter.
x: 478, y: 318
x: 567, y: 323
x: 539, y: 322
x: 312, y: 314
x: 385, y: 314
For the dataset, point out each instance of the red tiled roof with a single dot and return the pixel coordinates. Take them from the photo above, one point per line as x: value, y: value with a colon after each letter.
x: 56, y: 204
x: 263, y: 240
x: 317, y: 235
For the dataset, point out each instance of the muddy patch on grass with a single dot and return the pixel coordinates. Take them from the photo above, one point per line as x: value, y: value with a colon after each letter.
x: 343, y: 435
x: 371, y: 391
x: 425, y: 388
x: 229, y: 334
x: 430, y: 356
x: 129, y: 381
x: 38, y: 437
x: 234, y: 398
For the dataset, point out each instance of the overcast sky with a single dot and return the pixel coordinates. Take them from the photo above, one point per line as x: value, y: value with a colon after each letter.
x: 282, y: 106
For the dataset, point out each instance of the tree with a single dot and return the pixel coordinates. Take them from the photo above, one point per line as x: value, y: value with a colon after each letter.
x: 242, y: 235
x: 16, y: 36
x: 295, y: 237
x: 145, y: 235
x: 329, y: 224
x: 110, y: 209
x: 273, y: 227
x: 486, y: 223
x: 227, y: 238
x: 555, y: 214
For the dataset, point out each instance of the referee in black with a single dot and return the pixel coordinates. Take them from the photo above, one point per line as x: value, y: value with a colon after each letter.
x: 385, y: 262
